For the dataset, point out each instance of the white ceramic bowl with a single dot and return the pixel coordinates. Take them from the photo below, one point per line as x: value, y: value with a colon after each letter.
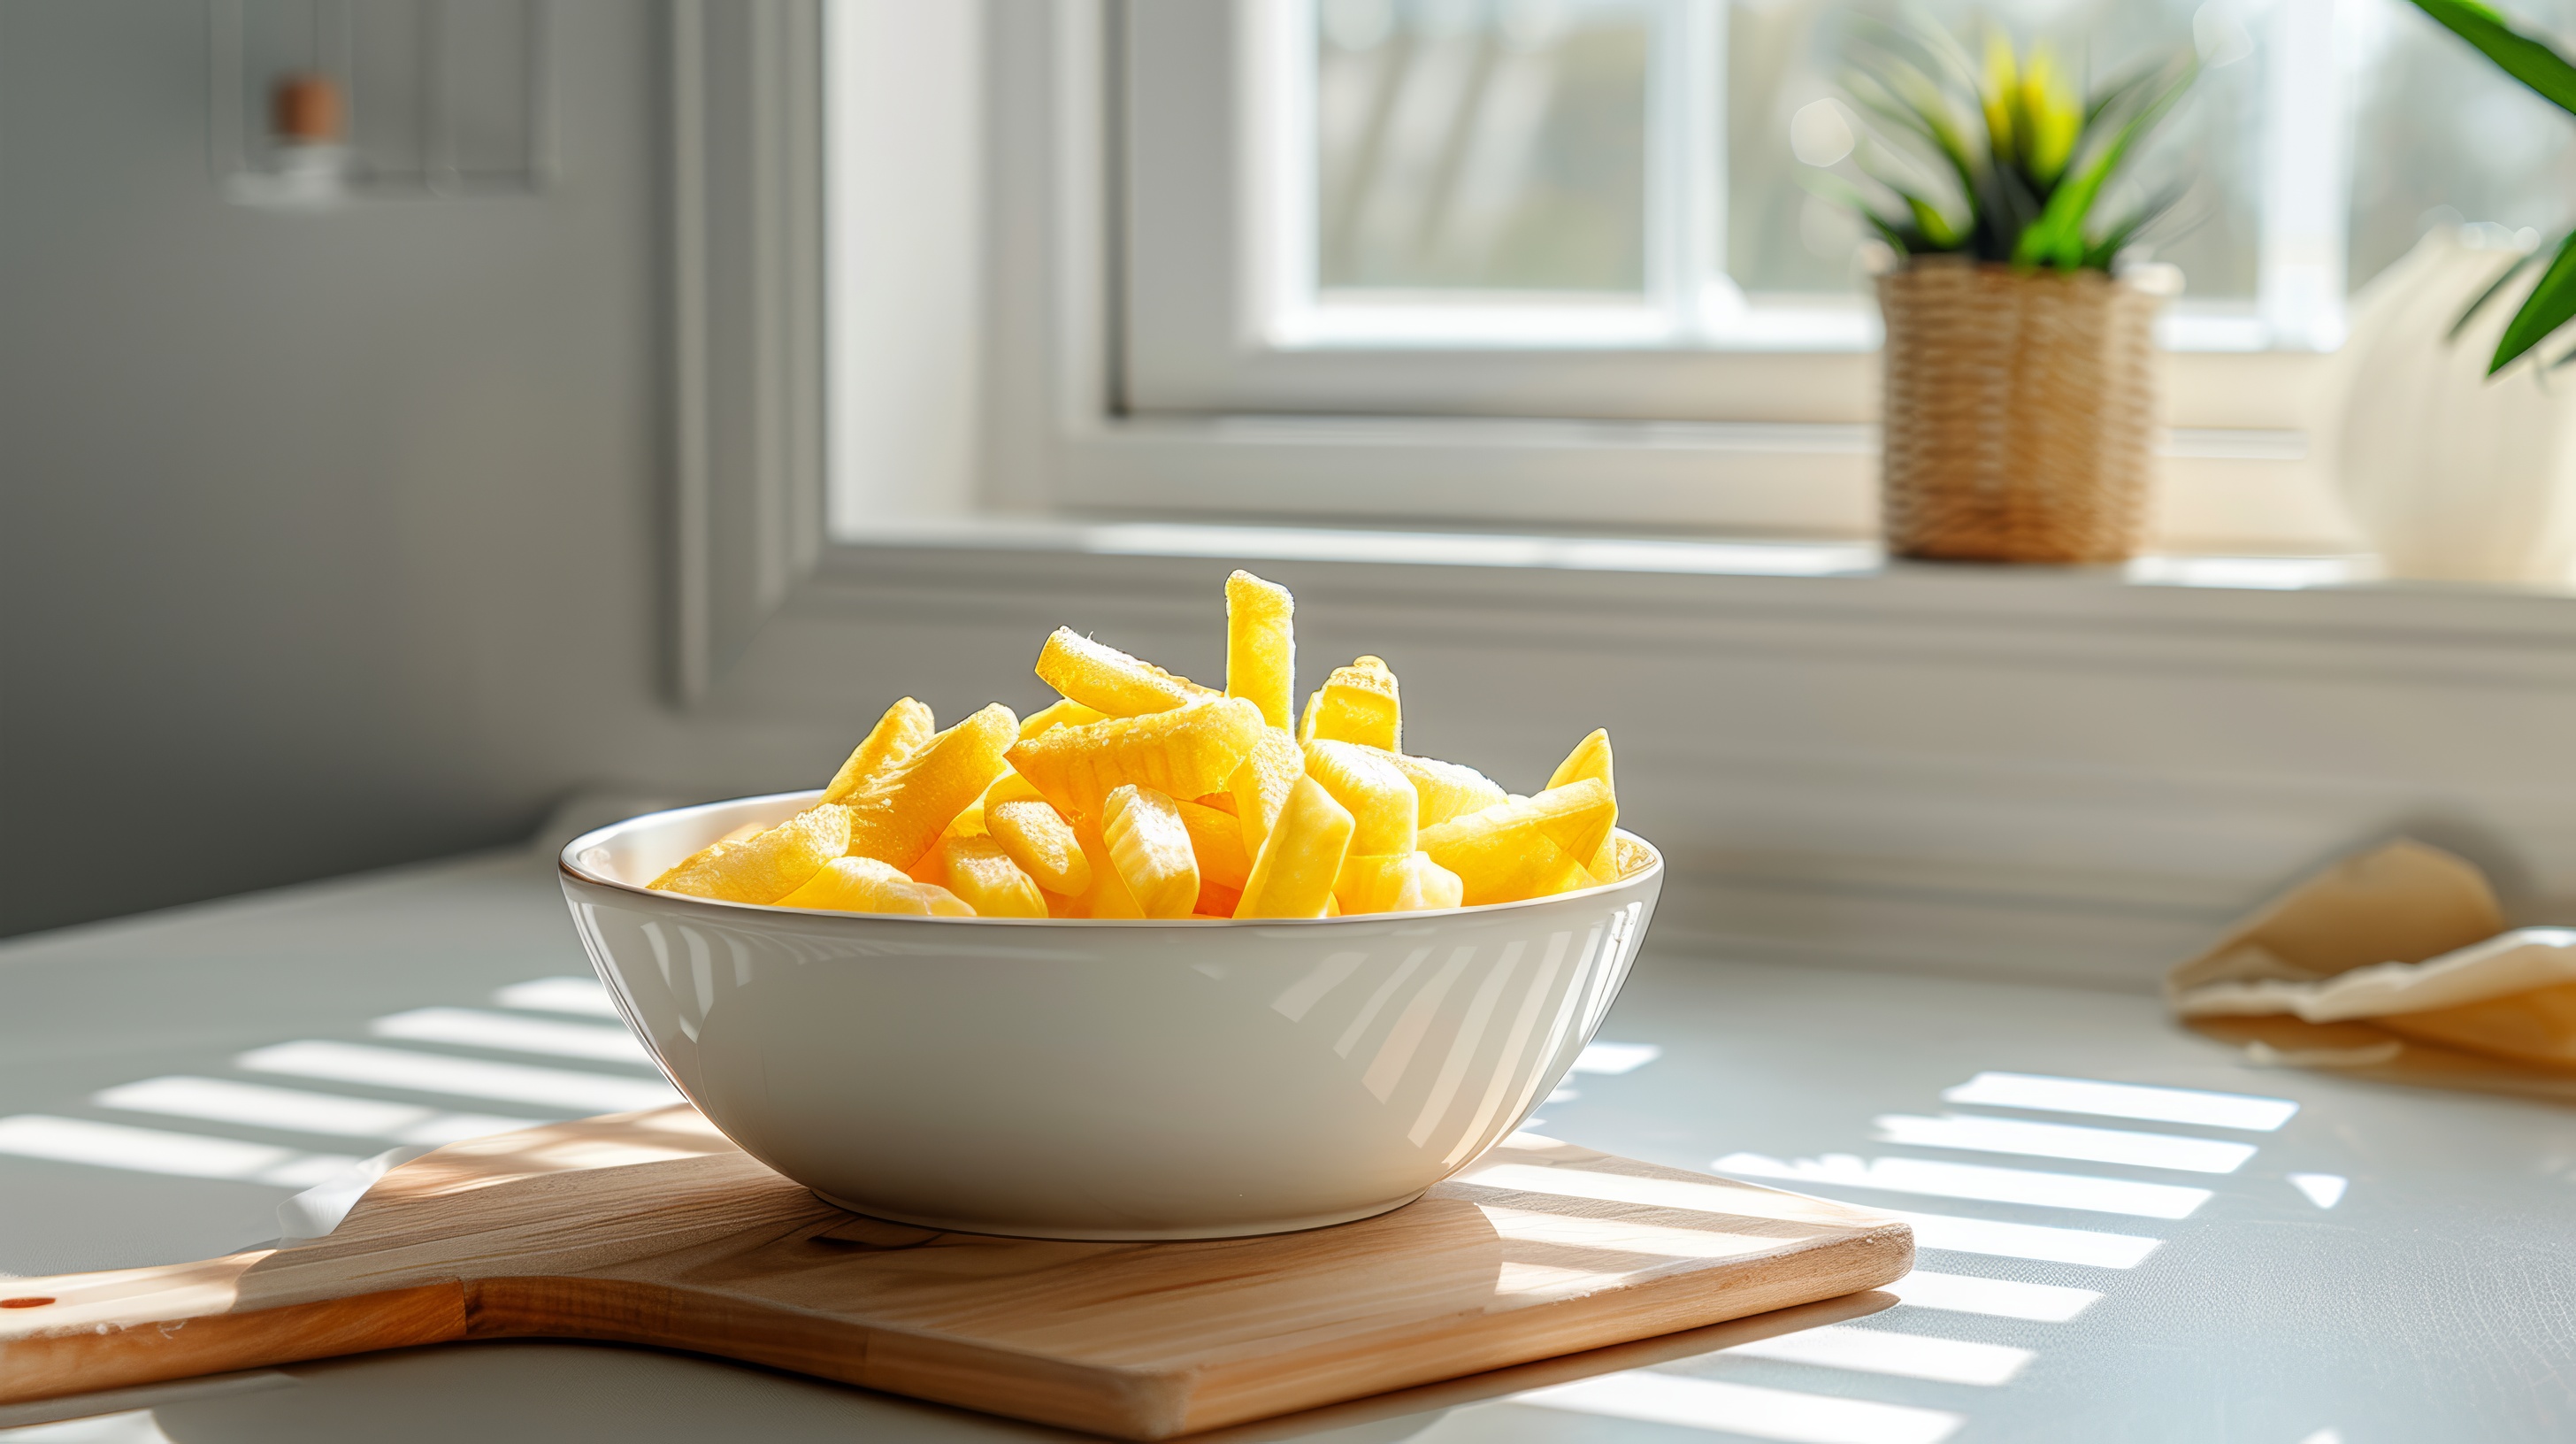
x: 1102, y: 1080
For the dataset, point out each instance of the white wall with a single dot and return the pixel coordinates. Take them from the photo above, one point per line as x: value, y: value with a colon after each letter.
x: 325, y: 541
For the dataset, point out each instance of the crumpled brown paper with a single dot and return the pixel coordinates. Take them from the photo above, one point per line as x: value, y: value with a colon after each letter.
x: 2394, y: 963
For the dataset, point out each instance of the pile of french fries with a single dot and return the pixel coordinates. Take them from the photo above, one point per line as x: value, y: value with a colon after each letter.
x: 1142, y: 794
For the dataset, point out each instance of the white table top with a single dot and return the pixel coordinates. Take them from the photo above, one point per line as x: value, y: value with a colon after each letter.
x: 2386, y: 1265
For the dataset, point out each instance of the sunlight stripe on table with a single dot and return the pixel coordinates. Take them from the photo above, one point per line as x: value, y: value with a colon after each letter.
x: 1995, y: 1298
x: 559, y: 995
x: 151, y: 1150
x: 462, y: 1077
x: 1971, y: 1133
x: 1982, y: 1182
x: 1615, y: 1057
x: 1882, y: 1351
x: 2124, y: 1100
x: 1747, y: 1409
x: 295, y: 1110
x: 507, y: 1032
x: 2038, y: 1242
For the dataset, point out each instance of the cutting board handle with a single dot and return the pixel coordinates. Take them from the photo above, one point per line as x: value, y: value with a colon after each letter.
x: 80, y: 1333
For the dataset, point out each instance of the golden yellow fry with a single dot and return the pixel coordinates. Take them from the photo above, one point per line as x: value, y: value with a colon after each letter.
x: 1403, y: 882
x: 1216, y: 900
x: 1358, y: 704
x: 896, y: 818
x: 1180, y: 753
x: 1447, y: 789
x: 1261, y: 785
x: 1628, y: 855
x: 898, y: 734
x: 1149, y: 845
x: 1261, y: 646
x: 1063, y: 713
x: 1009, y: 787
x: 1216, y: 840
x: 1109, y: 896
x: 746, y: 831
x: 1221, y: 801
x: 1307, y: 719
x: 1529, y: 847
x: 979, y: 871
x: 1293, y: 876
x: 866, y: 885
x: 1591, y: 758
x: 766, y: 866
x: 1108, y: 681
x: 1043, y: 844
x: 1382, y: 803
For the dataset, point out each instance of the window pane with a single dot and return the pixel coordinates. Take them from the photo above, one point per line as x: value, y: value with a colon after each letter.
x: 1464, y: 145
x: 2442, y: 135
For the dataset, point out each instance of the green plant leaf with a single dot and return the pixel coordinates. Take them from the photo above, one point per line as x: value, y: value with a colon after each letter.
x: 2525, y: 57
x: 1835, y: 190
x: 2099, y: 254
x: 2494, y: 289
x: 2547, y: 308
x: 2057, y: 237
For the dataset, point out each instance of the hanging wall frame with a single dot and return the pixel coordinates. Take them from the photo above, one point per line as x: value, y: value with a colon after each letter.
x: 321, y: 101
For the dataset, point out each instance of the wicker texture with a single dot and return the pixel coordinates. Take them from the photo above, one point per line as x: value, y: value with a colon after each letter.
x: 2020, y: 414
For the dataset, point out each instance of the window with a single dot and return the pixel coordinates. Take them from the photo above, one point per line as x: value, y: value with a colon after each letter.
x: 1551, y: 262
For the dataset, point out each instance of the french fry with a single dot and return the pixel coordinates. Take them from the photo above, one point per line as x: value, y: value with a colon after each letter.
x: 897, y: 736
x: 1591, y: 758
x: 1404, y: 882
x: 1530, y: 847
x: 1216, y: 840
x: 1261, y: 785
x: 1108, y: 681
x: 1109, y: 896
x: 1216, y: 900
x: 1182, y: 752
x: 1293, y: 877
x: 980, y: 872
x: 896, y: 818
x: 1447, y: 789
x: 1064, y: 712
x: 1261, y: 646
x: 1042, y: 843
x: 867, y: 885
x: 1358, y: 704
x: 1628, y: 855
x: 767, y: 866
x: 1382, y: 803
x: 1149, y: 845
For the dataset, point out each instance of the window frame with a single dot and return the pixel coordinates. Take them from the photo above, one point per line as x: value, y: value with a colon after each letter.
x: 1169, y: 402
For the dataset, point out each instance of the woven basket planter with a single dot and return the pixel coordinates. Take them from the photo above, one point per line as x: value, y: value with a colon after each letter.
x: 2020, y: 413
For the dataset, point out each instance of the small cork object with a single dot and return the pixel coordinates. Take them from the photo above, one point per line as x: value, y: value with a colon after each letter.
x: 2019, y: 413
x: 304, y: 109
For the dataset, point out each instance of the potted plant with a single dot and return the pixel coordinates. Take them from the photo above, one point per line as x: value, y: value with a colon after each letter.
x: 2019, y: 408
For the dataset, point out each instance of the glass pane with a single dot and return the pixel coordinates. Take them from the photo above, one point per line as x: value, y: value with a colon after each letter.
x: 1783, y: 58
x: 1466, y: 145
x: 2440, y: 135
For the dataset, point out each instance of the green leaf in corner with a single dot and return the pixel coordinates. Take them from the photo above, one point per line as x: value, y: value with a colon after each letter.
x: 2526, y: 58
x: 2494, y: 289
x: 2548, y: 307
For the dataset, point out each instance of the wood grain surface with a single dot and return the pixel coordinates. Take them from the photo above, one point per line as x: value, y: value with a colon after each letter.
x: 653, y: 1229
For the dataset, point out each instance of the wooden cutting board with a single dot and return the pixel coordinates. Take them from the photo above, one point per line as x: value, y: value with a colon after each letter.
x: 652, y: 1229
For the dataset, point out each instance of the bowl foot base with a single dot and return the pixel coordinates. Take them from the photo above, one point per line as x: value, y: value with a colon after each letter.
x: 1004, y: 1229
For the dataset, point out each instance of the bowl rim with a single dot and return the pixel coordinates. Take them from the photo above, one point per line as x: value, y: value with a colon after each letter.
x: 569, y: 866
